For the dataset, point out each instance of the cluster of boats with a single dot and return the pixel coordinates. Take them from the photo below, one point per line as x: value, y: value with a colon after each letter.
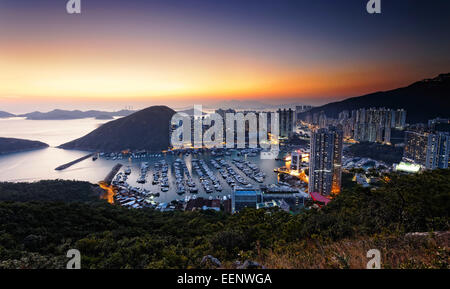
x: 250, y: 152
x: 160, y: 175
x: 206, y: 176
x: 183, y: 179
x: 220, y: 153
x: 119, y: 179
x: 250, y: 170
x: 121, y: 156
x: 229, y: 174
x: 236, y: 172
x: 133, y: 197
x: 143, y: 175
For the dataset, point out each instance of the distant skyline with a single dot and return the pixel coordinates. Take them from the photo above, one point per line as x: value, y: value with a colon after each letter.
x: 179, y: 52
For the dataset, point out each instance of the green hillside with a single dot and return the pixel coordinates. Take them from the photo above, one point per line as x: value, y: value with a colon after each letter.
x: 37, y: 234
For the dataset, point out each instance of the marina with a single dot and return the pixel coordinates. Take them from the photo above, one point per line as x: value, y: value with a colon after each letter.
x: 180, y: 176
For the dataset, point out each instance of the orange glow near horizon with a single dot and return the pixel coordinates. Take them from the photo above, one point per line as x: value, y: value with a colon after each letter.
x: 158, y: 52
x: 59, y: 72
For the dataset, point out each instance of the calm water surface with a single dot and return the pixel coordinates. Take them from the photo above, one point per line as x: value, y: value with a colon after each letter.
x: 40, y: 164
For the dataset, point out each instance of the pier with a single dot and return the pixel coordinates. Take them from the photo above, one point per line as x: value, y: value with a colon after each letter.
x: 65, y: 166
x: 112, y: 174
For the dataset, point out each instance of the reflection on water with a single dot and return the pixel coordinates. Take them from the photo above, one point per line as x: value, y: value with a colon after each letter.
x: 52, y: 132
x: 41, y: 164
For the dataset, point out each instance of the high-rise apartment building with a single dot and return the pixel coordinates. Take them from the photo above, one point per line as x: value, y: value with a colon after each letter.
x: 286, y: 118
x: 323, y: 120
x: 299, y: 109
x: 374, y: 124
x: 416, y: 143
x: 399, y: 119
x: 430, y: 150
x: 438, y: 151
x: 364, y: 124
x: 325, y: 166
x: 296, y: 159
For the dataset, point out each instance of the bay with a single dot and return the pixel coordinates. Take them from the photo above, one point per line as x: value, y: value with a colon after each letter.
x: 40, y: 164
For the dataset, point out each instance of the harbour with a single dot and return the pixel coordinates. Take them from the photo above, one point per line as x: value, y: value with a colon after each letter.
x: 188, y: 175
x: 192, y: 177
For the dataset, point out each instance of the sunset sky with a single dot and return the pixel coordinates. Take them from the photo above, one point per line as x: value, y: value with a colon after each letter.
x: 143, y: 52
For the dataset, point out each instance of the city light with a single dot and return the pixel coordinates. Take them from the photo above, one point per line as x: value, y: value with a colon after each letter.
x: 407, y: 167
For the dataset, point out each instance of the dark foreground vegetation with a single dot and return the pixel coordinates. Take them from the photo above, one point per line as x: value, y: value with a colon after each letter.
x: 38, y: 234
x: 51, y: 191
x: 385, y: 153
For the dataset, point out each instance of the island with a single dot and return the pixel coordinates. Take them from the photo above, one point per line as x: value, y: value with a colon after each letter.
x: 59, y: 114
x: 14, y: 145
x: 4, y: 114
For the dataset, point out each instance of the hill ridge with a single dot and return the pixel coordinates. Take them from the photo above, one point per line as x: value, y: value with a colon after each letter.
x: 145, y: 129
x: 423, y: 100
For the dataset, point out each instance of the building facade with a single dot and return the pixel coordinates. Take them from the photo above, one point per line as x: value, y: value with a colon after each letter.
x: 286, y: 119
x: 245, y: 198
x: 299, y: 109
x: 296, y: 160
x: 373, y: 125
x: 325, y: 165
x: 428, y: 149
